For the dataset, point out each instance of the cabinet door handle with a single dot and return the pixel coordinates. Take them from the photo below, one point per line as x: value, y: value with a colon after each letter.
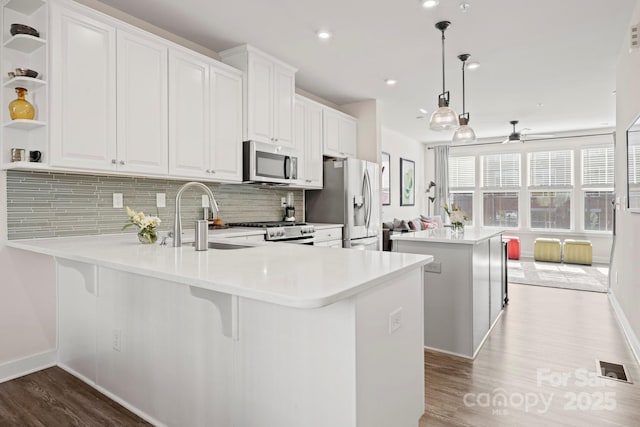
x: 212, y: 171
x: 122, y: 162
x: 208, y: 171
x: 307, y: 180
x: 113, y: 161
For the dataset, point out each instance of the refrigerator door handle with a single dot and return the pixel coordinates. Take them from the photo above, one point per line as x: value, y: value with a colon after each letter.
x: 368, y: 208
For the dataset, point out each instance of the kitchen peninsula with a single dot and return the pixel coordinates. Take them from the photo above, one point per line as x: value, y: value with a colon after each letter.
x: 463, y: 294
x: 269, y: 335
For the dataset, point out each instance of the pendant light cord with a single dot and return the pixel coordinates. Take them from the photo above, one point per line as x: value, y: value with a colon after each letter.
x: 464, y: 110
x: 443, y: 73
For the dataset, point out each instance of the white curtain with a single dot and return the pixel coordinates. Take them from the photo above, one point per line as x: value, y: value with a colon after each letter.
x: 442, y: 180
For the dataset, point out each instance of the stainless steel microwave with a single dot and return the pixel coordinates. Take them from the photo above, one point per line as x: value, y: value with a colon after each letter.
x: 270, y: 163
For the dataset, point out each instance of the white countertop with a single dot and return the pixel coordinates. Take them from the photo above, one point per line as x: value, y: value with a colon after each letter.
x: 470, y: 236
x: 292, y: 275
x: 324, y: 226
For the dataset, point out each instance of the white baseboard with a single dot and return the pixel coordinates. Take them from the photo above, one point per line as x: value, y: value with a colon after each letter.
x: 632, y: 339
x: 113, y: 397
x: 28, y: 365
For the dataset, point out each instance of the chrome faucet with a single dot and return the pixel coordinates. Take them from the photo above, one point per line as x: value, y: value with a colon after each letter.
x: 177, y: 221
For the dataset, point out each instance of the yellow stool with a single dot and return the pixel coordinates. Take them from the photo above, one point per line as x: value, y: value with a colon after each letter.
x: 547, y: 250
x: 577, y: 251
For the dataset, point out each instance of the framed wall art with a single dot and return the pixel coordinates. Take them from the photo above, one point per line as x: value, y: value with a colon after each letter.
x: 407, y: 182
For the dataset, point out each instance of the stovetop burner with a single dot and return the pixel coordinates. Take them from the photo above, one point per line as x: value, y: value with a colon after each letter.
x: 266, y: 224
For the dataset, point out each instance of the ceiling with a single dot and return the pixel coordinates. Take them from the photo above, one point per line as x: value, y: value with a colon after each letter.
x: 548, y: 63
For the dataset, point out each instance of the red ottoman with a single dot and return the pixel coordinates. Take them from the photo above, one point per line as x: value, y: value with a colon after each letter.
x: 513, y: 246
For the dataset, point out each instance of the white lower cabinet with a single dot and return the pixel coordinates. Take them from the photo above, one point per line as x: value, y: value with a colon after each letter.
x: 205, y: 118
x: 331, y: 237
x: 308, y: 142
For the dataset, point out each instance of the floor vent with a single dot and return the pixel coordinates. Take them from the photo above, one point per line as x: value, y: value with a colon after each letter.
x: 612, y: 371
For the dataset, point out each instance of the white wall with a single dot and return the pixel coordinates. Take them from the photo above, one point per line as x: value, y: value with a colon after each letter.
x: 401, y: 146
x: 626, y: 289
x: 27, y: 298
x: 369, y: 128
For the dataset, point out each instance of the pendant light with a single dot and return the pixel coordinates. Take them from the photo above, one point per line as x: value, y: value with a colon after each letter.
x: 464, y: 134
x: 444, y: 118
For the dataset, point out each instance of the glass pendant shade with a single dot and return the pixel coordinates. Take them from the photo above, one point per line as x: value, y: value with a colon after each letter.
x: 444, y: 118
x: 464, y: 135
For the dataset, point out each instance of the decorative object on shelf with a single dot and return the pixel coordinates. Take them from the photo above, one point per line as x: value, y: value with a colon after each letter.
x: 464, y: 134
x: 444, y: 118
x: 23, y: 29
x: 20, y: 108
x: 35, y: 156
x: 457, y: 218
x: 386, y: 179
x: 407, y: 182
x: 18, y: 155
x: 25, y: 72
x: 147, y: 225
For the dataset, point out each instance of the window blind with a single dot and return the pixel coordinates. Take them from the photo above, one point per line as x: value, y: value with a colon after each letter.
x: 462, y: 172
x: 551, y: 168
x: 597, y: 166
x: 501, y: 170
x: 634, y: 164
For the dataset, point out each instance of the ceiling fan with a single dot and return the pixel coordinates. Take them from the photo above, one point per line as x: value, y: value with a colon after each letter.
x: 522, y: 136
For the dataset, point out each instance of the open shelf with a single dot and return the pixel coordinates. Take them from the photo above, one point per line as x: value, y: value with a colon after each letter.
x: 24, y: 43
x: 25, y: 165
x: 24, y: 124
x: 26, y: 7
x: 26, y: 82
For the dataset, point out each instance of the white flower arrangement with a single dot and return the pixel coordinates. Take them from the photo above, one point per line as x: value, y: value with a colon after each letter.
x: 456, y: 216
x: 146, y: 224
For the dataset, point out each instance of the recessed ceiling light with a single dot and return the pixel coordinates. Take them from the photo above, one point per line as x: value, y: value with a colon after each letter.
x: 390, y: 82
x: 428, y: 4
x: 324, y: 35
x: 473, y: 65
x: 464, y: 6
x: 423, y: 111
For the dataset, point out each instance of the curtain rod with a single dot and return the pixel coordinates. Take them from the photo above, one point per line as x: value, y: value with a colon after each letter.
x: 530, y: 140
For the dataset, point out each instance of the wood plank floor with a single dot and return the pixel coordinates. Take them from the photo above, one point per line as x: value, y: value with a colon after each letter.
x: 53, y: 398
x: 533, y: 358
x: 542, y: 348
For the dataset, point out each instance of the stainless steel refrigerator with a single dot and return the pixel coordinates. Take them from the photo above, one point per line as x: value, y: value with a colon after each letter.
x: 350, y: 196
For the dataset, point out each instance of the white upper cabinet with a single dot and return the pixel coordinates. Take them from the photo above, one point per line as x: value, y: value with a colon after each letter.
x: 226, y: 125
x: 142, y: 104
x: 339, y: 134
x: 105, y: 116
x: 189, y: 114
x: 83, y: 90
x: 308, y: 141
x: 205, y: 118
x: 269, y: 95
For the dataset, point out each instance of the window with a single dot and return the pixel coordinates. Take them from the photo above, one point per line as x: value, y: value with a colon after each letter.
x: 551, y: 210
x: 551, y: 168
x: 463, y: 200
x: 634, y: 175
x: 462, y: 172
x: 462, y: 182
x: 597, y: 186
x: 500, y: 172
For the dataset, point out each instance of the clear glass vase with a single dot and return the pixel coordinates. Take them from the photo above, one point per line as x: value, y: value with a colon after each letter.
x: 148, y: 235
x: 457, y: 228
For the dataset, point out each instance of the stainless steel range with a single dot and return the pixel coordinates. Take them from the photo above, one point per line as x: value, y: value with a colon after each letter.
x: 283, y: 231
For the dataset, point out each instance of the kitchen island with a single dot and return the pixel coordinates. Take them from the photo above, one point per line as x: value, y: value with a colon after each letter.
x: 463, y: 296
x: 270, y: 335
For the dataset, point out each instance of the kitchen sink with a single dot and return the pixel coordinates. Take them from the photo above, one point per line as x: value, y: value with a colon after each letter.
x: 223, y: 246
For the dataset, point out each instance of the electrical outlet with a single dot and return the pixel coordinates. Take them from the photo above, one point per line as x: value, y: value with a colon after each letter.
x: 116, y: 339
x: 161, y: 200
x: 433, y: 267
x: 205, y: 201
x: 118, y: 200
x: 395, y: 320
x: 283, y: 202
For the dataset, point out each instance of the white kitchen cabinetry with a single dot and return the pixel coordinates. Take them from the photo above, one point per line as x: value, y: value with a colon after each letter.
x: 331, y: 237
x: 339, y: 134
x: 83, y: 90
x: 109, y: 95
x: 205, y: 118
x: 269, y: 95
x: 308, y: 142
